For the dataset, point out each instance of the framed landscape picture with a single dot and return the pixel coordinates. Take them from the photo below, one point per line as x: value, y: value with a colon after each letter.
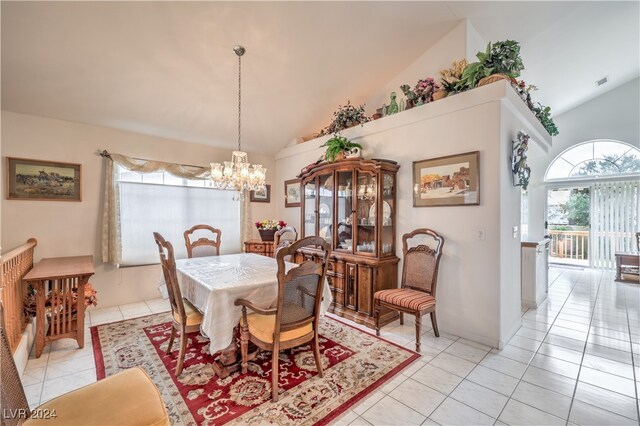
x: 292, y: 197
x: 447, y: 181
x: 43, y: 180
x: 263, y: 196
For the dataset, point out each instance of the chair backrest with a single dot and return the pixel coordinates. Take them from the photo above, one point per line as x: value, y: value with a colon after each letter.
x: 300, y: 289
x: 202, y: 246
x: 168, y: 263
x: 13, y: 400
x: 284, y: 238
x: 421, y: 262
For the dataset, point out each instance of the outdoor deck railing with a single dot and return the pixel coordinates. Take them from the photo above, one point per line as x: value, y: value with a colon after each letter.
x: 569, y: 244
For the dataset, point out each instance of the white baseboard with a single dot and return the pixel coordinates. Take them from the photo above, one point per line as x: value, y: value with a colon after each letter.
x: 510, y: 334
x: 21, y: 355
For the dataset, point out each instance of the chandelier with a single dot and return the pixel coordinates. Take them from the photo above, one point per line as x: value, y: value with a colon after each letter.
x: 238, y: 174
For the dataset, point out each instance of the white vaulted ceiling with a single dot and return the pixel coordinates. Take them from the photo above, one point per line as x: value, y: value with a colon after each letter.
x: 167, y: 68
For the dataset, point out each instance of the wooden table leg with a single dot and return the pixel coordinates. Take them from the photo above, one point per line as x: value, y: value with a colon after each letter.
x: 80, y: 314
x: 229, y: 360
x: 40, y: 313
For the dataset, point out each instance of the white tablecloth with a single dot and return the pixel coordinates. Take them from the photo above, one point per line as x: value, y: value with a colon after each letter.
x: 212, y: 284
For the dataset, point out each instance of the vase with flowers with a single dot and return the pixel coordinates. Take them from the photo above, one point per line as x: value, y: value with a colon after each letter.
x: 422, y: 93
x: 268, y: 227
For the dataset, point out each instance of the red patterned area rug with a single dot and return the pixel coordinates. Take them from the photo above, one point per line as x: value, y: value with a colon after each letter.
x: 356, y: 363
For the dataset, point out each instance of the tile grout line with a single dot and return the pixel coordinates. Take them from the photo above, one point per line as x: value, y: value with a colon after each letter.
x: 575, y: 283
x: 633, y: 362
x: 446, y: 396
x: 584, y: 349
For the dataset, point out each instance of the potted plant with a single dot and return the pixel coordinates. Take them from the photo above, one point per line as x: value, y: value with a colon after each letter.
x: 449, y: 78
x: 501, y: 60
x: 339, y: 147
x: 422, y: 93
x: 344, y: 117
x: 268, y: 227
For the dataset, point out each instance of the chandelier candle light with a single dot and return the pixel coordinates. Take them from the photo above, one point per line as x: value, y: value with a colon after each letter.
x: 238, y: 174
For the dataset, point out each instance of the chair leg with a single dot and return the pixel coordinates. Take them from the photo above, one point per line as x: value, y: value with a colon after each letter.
x: 173, y: 336
x: 434, y: 323
x: 274, y: 373
x: 401, y: 318
x: 418, y: 331
x: 376, y: 314
x: 183, y: 350
x: 316, y: 354
x: 244, y: 348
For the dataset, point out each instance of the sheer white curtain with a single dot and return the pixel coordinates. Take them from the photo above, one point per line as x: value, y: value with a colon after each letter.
x: 615, y: 215
x: 188, y: 204
x: 170, y: 210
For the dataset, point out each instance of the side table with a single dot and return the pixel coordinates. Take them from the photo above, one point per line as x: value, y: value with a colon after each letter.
x: 60, y: 277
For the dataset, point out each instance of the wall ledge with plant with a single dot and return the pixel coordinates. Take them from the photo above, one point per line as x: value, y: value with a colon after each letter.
x: 500, y: 61
x: 497, y: 92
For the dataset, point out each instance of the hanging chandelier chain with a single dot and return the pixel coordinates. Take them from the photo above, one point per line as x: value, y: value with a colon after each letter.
x: 239, y: 99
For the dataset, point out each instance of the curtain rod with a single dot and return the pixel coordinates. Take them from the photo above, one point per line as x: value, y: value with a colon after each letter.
x: 105, y: 154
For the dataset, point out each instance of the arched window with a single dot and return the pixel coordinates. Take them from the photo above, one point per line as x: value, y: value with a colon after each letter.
x: 595, y: 158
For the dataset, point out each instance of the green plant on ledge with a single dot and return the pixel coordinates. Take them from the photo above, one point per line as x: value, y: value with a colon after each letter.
x: 344, y: 117
x: 337, y: 146
x: 543, y: 113
x: 501, y: 57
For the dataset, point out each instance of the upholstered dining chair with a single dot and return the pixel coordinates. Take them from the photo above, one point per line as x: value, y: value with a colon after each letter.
x: 417, y: 293
x: 284, y: 238
x: 294, y: 319
x: 185, y: 317
x: 126, y: 398
x: 202, y: 246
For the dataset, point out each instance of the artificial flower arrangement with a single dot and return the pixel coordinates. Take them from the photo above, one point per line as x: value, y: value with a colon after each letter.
x: 54, y: 302
x: 344, y: 117
x: 270, y: 225
x: 451, y: 76
x: 422, y: 93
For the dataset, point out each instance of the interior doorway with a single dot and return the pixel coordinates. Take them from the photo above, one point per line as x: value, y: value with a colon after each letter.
x: 568, y: 225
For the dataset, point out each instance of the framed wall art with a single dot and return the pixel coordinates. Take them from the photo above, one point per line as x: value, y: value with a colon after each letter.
x: 453, y: 180
x: 263, y: 196
x: 43, y: 180
x: 292, y: 197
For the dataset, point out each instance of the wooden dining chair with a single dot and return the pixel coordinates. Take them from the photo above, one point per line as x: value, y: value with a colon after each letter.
x: 185, y: 317
x: 417, y: 293
x: 284, y: 238
x: 294, y: 319
x: 127, y: 398
x: 202, y: 246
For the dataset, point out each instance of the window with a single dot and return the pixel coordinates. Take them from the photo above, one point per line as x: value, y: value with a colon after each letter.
x: 161, y: 202
x: 595, y: 158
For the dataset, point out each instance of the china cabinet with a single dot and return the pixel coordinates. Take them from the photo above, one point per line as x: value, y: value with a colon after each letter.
x: 352, y: 205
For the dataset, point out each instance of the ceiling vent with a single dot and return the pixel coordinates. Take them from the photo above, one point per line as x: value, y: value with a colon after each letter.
x: 602, y: 81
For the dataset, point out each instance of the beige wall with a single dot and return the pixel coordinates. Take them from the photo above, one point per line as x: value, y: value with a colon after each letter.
x: 479, y: 283
x: 69, y: 228
x: 463, y: 41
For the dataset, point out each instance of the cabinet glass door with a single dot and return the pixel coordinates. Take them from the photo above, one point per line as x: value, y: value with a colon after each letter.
x: 388, y: 206
x: 310, y: 198
x: 366, y: 196
x: 325, y: 208
x: 344, y: 210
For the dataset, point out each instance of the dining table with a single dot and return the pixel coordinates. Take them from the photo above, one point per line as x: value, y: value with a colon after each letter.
x: 212, y: 284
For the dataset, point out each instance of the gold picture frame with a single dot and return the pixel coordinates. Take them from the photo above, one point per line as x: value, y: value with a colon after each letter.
x: 41, y: 180
x: 453, y: 180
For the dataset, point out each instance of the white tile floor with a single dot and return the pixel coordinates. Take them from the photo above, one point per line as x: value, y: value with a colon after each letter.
x: 576, y: 360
